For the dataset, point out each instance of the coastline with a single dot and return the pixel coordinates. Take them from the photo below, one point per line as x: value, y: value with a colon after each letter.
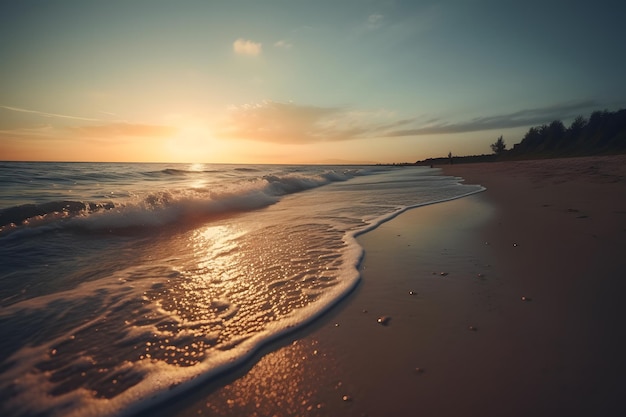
x: 464, y: 343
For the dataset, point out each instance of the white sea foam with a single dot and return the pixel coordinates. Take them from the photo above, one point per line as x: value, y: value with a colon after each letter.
x: 165, y: 206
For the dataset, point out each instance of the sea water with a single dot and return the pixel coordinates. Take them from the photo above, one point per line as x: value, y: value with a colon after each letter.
x: 122, y: 285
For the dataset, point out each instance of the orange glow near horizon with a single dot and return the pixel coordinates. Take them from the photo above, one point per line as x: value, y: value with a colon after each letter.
x: 197, y: 144
x: 266, y: 132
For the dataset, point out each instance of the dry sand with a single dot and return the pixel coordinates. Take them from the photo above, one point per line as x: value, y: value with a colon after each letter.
x: 459, y: 340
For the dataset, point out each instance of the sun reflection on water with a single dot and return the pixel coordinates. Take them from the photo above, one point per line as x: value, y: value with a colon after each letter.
x: 196, y: 167
x: 194, y: 308
x: 215, y: 249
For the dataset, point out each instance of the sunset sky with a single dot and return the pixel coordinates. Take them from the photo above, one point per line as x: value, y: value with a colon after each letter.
x: 298, y: 81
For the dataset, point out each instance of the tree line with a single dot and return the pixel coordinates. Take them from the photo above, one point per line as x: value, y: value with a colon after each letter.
x: 603, y: 133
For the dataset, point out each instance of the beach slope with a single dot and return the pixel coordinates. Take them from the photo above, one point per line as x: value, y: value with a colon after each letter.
x: 505, y: 303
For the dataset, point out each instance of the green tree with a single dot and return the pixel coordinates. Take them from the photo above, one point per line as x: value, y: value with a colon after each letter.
x: 498, y: 147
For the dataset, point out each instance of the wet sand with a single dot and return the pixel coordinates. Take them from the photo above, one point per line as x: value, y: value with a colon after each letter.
x: 511, y: 302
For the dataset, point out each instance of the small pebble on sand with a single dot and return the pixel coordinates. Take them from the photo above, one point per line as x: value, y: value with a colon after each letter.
x: 346, y: 398
x: 472, y: 328
x: 384, y: 320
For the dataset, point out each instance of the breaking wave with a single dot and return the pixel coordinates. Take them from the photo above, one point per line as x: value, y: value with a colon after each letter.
x: 166, y: 206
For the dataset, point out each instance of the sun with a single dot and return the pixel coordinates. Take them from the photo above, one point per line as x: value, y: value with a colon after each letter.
x: 195, y: 144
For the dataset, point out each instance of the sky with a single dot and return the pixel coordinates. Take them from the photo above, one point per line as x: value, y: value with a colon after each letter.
x: 343, y: 81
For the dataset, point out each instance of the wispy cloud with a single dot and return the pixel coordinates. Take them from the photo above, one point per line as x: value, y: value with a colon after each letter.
x: 527, y: 117
x: 45, y: 114
x: 39, y: 132
x: 375, y: 20
x: 247, y: 47
x: 103, y: 128
x: 283, y: 44
x: 125, y: 129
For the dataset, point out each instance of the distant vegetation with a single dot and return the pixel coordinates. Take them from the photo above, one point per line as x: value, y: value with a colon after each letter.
x: 499, y: 147
x: 604, y: 133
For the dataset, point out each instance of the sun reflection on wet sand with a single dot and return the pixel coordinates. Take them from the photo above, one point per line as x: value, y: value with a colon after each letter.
x: 277, y: 387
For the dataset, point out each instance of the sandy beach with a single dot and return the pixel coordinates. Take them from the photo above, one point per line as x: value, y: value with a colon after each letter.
x: 509, y: 302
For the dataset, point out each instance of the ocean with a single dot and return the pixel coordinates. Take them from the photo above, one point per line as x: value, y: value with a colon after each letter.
x: 123, y: 285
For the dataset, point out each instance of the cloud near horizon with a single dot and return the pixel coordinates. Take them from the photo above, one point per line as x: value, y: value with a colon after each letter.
x: 290, y: 123
x: 527, y: 117
x: 141, y: 142
x: 247, y: 47
x: 276, y: 122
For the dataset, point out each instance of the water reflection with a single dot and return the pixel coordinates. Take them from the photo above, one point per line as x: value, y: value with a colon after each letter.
x: 196, y: 167
x: 199, y: 305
